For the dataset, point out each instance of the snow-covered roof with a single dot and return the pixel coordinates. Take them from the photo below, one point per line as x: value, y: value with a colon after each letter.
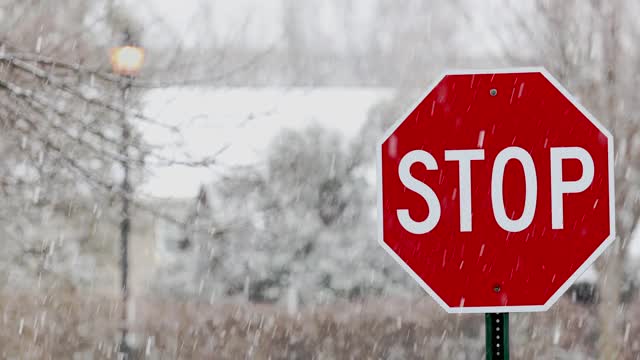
x: 244, y: 120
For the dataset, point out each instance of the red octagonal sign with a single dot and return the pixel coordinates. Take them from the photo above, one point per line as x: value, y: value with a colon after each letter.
x: 496, y: 191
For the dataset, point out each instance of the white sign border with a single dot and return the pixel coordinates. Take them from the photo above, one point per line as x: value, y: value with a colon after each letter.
x: 562, y: 289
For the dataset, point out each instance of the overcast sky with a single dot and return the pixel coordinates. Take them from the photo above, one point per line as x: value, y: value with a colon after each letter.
x: 248, y: 21
x: 258, y: 23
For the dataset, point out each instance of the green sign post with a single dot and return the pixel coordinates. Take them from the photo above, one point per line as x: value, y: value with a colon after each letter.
x: 497, y: 333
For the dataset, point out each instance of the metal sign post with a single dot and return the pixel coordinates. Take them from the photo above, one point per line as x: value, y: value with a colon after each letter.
x: 497, y: 334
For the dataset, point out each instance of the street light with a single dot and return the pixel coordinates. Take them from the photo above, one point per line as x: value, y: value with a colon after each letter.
x: 126, y: 61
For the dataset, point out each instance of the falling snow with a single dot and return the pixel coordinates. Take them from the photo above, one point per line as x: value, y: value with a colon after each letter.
x: 239, y: 163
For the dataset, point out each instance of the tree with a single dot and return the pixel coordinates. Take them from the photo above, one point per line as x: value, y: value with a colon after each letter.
x: 299, y: 228
x: 62, y: 113
x: 58, y: 140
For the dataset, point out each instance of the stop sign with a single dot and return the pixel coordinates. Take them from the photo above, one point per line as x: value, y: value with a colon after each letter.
x: 495, y: 192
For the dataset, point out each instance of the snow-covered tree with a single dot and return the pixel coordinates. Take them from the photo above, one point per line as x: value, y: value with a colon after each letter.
x: 59, y: 123
x: 299, y: 228
x: 70, y: 126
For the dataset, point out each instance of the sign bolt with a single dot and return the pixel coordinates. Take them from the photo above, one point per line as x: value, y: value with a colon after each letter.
x: 493, y: 92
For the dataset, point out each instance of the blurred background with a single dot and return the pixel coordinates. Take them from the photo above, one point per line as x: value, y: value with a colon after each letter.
x: 196, y: 179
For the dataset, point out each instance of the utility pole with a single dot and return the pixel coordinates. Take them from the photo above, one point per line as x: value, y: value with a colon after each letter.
x: 125, y: 222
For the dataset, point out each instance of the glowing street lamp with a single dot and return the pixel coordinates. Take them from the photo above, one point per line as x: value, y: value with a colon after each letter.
x: 127, y: 60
